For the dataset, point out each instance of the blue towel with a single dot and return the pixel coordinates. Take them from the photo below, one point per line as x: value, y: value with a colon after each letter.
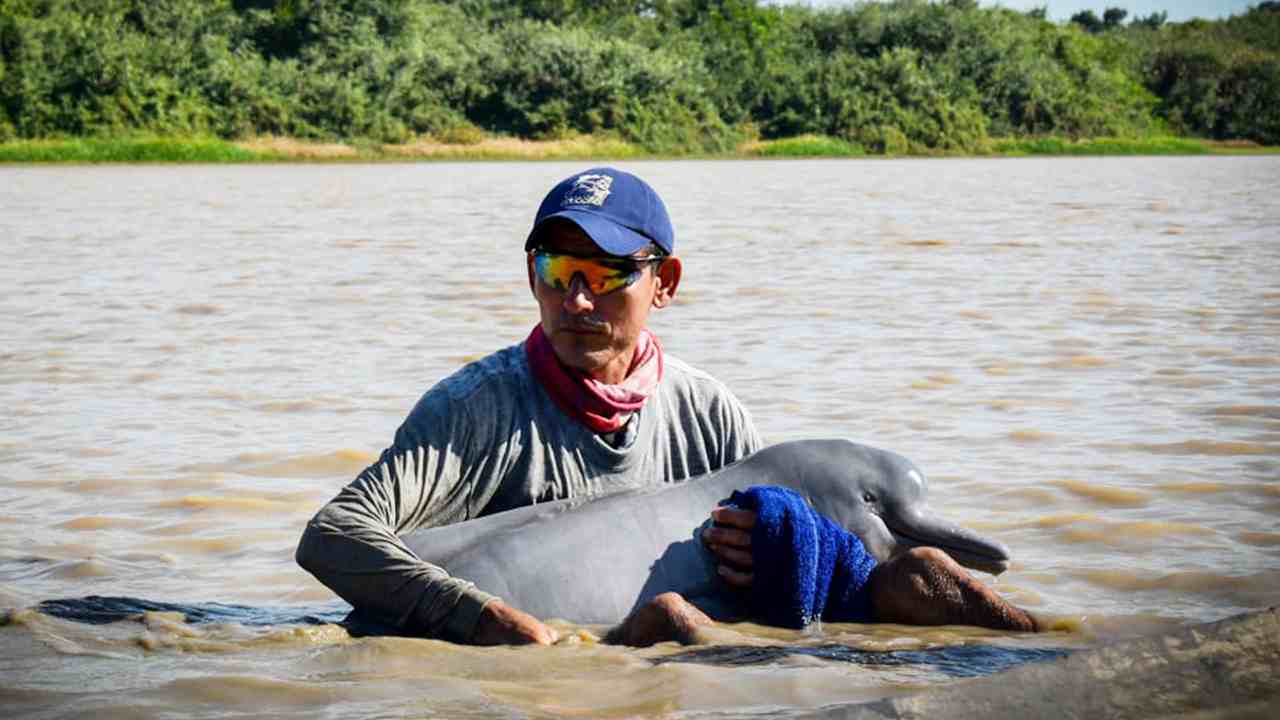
x: 806, y: 567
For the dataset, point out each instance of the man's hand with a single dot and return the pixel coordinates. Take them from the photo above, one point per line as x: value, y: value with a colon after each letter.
x: 730, y: 540
x: 501, y: 624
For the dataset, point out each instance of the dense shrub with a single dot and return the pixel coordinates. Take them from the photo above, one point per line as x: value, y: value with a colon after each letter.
x: 670, y: 75
x: 1249, y: 104
x: 550, y: 83
x: 1218, y: 80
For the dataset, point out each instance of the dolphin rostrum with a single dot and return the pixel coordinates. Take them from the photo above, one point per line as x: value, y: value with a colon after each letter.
x: 595, y: 560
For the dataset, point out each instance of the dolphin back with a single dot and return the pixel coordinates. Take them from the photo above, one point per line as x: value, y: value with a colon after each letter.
x: 595, y: 560
x: 587, y: 561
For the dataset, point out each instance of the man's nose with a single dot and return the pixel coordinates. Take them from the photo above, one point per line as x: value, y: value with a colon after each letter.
x: 578, y: 299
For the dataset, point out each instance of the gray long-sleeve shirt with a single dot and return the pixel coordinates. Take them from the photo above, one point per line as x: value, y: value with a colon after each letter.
x: 486, y: 439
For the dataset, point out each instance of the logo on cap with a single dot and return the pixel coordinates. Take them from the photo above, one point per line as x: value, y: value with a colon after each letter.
x: 588, y: 190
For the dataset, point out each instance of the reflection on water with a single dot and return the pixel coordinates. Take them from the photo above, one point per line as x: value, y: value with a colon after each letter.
x: 1084, y: 354
x: 99, y: 610
x: 955, y: 661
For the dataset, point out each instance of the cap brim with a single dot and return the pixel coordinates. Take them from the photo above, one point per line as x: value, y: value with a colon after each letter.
x: 606, y: 234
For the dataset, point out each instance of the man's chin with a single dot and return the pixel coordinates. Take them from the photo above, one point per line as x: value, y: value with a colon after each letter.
x: 587, y: 353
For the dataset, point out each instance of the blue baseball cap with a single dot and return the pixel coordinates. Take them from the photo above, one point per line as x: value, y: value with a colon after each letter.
x: 617, y: 210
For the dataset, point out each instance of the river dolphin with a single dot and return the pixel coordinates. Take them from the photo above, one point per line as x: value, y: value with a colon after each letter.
x: 595, y: 560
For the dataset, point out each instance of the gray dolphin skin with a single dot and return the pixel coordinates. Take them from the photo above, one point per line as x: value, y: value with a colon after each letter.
x: 595, y: 560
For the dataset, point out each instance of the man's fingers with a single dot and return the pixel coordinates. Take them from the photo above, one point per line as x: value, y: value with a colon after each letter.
x: 727, y: 536
x: 736, y: 578
x: 733, y: 556
x: 735, y: 517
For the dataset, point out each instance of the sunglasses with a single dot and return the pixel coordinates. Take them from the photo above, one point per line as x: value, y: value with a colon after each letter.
x: 602, y: 275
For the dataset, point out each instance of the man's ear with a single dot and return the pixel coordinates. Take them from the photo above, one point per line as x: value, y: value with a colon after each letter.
x: 528, y: 265
x: 668, y: 280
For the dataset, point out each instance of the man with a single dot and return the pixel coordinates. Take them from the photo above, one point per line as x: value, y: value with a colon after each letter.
x: 587, y: 404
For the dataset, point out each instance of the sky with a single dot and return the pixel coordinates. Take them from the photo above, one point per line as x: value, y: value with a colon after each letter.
x: 1179, y: 10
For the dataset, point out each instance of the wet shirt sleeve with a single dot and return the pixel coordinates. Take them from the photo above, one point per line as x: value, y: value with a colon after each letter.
x: 741, y: 436
x: 430, y: 476
x: 729, y: 432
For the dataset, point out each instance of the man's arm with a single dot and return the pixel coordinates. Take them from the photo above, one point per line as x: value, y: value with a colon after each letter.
x: 352, y: 547
x: 501, y: 624
x: 426, y: 478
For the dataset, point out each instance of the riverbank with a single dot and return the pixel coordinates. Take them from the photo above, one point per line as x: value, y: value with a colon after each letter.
x: 583, y: 147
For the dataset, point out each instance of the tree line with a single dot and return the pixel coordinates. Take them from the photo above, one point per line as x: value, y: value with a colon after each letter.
x: 669, y: 75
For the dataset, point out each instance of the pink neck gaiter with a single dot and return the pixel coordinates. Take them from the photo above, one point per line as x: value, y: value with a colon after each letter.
x: 602, y: 408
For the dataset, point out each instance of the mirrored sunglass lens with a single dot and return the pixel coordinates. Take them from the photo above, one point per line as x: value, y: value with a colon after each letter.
x: 610, y: 277
x: 601, y: 276
x: 547, y: 268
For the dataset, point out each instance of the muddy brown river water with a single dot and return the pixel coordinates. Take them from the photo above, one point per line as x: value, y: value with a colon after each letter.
x: 1082, y: 354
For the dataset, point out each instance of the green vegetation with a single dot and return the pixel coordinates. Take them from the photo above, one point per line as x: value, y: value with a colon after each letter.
x: 476, y: 78
x: 807, y: 146
x: 132, y: 150
x: 206, y: 150
x: 1103, y: 146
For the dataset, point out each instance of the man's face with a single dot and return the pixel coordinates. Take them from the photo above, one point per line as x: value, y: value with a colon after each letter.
x: 597, y: 334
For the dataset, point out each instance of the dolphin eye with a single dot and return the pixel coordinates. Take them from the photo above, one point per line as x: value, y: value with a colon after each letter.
x: 868, y: 497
